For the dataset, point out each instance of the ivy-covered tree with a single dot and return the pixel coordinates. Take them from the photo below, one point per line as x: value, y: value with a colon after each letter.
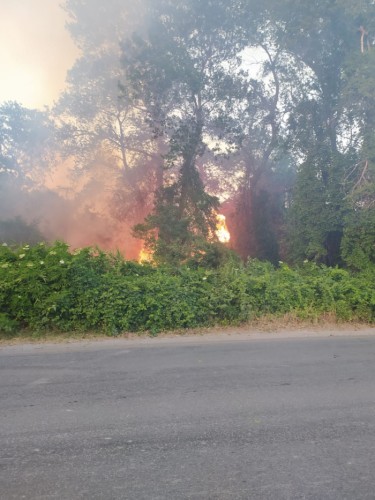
x: 358, y: 246
x: 318, y: 36
x: 185, y: 73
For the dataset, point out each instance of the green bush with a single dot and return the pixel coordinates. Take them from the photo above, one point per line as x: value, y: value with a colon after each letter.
x: 49, y: 287
x: 7, y: 325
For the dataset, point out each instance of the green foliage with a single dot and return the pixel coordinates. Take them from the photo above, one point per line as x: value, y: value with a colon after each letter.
x: 358, y: 245
x: 189, y: 85
x: 48, y: 287
x: 316, y: 216
x: 179, y: 230
x: 7, y: 325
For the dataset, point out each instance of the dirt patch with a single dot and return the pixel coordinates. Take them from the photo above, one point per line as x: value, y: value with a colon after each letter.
x: 265, y: 327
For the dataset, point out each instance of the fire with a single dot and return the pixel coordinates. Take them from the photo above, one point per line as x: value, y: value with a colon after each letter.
x: 145, y: 255
x: 221, y: 232
x: 221, y: 229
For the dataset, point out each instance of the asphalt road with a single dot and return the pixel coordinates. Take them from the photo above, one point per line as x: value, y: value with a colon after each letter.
x: 268, y: 419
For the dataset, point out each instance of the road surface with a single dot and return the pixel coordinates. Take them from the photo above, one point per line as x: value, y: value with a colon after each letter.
x: 289, y: 418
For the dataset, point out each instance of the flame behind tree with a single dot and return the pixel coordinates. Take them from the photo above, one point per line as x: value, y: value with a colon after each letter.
x: 188, y: 97
x: 222, y: 232
x: 144, y: 255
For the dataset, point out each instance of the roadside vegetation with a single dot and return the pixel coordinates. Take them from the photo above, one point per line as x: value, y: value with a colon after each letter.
x: 176, y: 117
x: 49, y: 288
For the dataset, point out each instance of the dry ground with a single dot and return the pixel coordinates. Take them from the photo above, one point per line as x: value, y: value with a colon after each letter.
x: 266, y: 327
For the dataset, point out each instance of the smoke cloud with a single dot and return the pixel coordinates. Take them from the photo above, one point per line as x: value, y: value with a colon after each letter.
x: 75, y: 210
x: 35, y: 51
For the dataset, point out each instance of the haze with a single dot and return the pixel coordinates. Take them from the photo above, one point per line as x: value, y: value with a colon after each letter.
x: 35, y: 51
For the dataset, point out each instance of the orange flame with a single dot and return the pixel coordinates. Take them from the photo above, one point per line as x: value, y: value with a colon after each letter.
x: 145, y: 255
x: 221, y: 229
x: 221, y: 232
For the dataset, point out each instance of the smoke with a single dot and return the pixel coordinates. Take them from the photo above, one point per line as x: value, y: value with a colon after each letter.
x: 72, y: 208
x: 77, y: 71
x: 99, y: 204
x: 35, y: 51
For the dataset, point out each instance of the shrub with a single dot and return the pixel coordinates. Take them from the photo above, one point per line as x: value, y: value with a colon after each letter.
x: 50, y: 287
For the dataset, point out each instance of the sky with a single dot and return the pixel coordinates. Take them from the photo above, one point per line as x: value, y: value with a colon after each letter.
x: 35, y: 51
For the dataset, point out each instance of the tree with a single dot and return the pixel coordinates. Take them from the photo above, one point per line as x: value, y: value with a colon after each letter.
x: 318, y: 208
x: 98, y: 120
x: 173, y: 115
x: 185, y: 74
x: 28, y: 152
x: 17, y: 232
x: 257, y: 219
x: 27, y: 144
x: 317, y: 36
x: 358, y: 245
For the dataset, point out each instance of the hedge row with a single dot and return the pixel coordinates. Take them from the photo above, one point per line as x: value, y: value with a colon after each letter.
x: 49, y: 287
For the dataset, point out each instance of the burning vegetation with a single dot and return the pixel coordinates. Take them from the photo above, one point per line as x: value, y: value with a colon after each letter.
x: 222, y: 232
x: 187, y: 133
x: 145, y: 255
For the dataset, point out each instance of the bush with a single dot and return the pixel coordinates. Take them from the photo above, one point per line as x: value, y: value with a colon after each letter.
x: 49, y: 287
x: 7, y: 325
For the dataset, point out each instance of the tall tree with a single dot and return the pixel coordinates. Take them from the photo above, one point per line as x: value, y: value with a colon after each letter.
x: 359, y: 97
x: 28, y: 152
x: 27, y: 144
x: 185, y: 73
x: 98, y: 120
x: 319, y: 36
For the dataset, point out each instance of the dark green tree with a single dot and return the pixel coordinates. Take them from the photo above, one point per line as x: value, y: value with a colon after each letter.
x: 358, y: 245
x: 185, y: 73
x: 319, y: 37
